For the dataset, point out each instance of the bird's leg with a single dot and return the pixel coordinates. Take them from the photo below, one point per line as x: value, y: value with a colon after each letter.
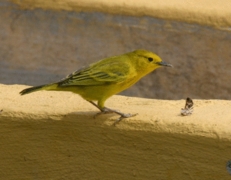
x: 106, y: 110
x: 122, y: 115
x: 95, y: 105
x: 103, y: 110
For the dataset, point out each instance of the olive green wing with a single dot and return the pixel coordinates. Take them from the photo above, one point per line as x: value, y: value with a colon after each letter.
x: 99, y: 74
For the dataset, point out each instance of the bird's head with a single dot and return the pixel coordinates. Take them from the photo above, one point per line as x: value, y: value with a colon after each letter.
x: 148, y: 61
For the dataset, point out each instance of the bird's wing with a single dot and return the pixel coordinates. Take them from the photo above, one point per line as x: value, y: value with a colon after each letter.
x: 99, y: 74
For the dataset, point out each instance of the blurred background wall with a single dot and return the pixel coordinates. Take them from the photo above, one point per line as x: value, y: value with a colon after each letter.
x: 40, y: 46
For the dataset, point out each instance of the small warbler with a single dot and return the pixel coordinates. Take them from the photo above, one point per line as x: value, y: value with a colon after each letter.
x: 101, y: 80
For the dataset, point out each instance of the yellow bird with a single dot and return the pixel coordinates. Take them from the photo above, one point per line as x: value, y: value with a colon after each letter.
x: 101, y: 80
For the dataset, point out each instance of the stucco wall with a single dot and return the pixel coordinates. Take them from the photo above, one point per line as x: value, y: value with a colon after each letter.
x: 43, y: 41
x: 53, y: 135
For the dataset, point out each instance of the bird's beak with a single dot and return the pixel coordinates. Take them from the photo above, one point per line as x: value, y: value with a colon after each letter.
x: 162, y: 63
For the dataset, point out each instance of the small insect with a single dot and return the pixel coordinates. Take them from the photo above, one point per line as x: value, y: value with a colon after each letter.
x: 188, y: 109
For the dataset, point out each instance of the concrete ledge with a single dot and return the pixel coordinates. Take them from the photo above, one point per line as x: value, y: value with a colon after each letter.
x: 206, y: 12
x: 53, y: 135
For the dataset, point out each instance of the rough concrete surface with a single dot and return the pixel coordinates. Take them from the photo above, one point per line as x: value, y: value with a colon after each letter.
x: 53, y: 135
x: 209, y: 12
x: 40, y: 45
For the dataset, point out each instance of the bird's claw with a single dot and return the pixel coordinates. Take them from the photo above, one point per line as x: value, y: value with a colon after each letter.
x: 122, y: 117
x: 105, y: 111
x: 108, y: 111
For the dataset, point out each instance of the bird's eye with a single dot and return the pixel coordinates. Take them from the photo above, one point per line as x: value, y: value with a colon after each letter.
x: 150, y: 59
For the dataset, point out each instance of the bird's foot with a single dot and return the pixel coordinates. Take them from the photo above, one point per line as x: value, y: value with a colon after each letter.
x: 108, y: 111
x: 103, y: 111
x: 122, y: 115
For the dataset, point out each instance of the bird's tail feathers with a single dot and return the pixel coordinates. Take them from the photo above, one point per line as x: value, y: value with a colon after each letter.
x: 39, y: 88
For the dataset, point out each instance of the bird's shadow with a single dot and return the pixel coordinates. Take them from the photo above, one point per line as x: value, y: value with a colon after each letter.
x: 91, y: 116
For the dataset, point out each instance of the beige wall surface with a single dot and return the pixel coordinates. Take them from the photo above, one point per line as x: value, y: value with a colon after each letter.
x: 206, y: 12
x: 53, y: 135
x: 40, y: 46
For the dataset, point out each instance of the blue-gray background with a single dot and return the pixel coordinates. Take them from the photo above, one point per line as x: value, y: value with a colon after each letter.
x: 39, y: 47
